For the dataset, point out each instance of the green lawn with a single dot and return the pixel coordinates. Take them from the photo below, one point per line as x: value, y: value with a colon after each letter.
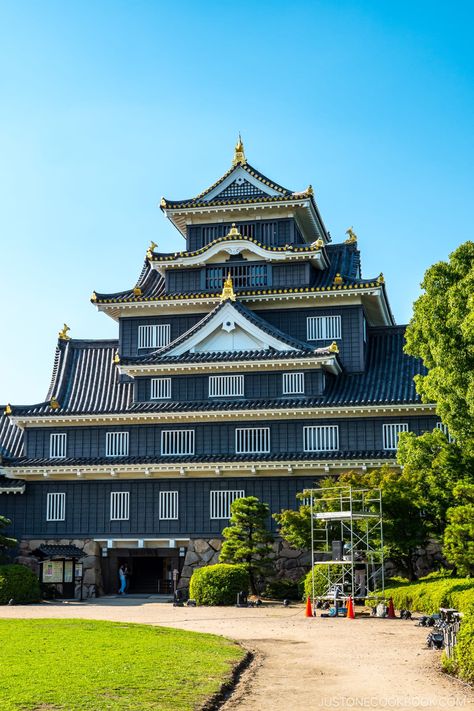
x: 47, y: 665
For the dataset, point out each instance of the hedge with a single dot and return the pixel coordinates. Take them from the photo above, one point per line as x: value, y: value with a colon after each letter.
x: 218, y: 584
x: 18, y: 583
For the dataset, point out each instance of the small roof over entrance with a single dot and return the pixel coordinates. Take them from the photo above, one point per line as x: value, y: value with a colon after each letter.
x: 52, y: 551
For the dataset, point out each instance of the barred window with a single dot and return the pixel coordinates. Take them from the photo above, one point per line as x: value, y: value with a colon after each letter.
x: 226, y: 385
x: 321, y: 438
x: 168, y: 505
x: 160, y: 388
x: 293, y: 383
x: 391, y: 433
x: 243, y: 276
x: 57, y: 445
x: 119, y: 505
x: 56, y: 507
x: 177, y: 442
x: 252, y: 440
x: 323, y: 328
x: 155, y: 336
x: 445, y: 431
x: 221, y: 501
x: 116, y: 444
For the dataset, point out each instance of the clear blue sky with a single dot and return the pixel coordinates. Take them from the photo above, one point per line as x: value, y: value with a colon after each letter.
x: 105, y: 107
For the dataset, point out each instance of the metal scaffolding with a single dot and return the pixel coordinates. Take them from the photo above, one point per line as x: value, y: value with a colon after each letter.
x: 352, y: 517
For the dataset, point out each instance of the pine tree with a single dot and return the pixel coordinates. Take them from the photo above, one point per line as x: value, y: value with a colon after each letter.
x: 5, y: 542
x: 247, y: 540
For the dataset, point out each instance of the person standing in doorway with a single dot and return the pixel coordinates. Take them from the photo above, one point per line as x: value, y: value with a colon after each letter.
x: 123, y: 579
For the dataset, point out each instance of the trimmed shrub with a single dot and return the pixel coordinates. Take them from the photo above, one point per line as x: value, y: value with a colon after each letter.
x: 18, y: 583
x: 430, y: 593
x: 218, y: 584
x: 463, y: 662
x: 284, y: 589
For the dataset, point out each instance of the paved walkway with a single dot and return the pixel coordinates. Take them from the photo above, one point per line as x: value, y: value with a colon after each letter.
x: 301, y: 664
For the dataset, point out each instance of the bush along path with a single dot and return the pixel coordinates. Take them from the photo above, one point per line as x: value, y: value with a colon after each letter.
x: 441, y: 590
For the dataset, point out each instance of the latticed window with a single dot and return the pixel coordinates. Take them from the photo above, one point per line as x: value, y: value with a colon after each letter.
x: 391, y: 433
x: 226, y: 385
x: 243, y: 276
x: 119, y: 505
x: 155, y: 336
x: 160, y: 388
x: 212, y: 232
x: 321, y: 438
x: 57, y: 445
x: 56, y: 507
x: 240, y: 188
x: 323, y: 328
x: 445, y: 431
x: 252, y: 440
x: 116, y: 444
x: 221, y: 501
x: 168, y: 505
x: 293, y: 383
x: 177, y: 442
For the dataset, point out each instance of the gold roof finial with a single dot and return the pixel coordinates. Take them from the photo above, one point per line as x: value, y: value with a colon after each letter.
x: 94, y: 296
x: 352, y: 237
x: 381, y: 279
x: 333, y: 348
x: 137, y: 291
x: 54, y: 404
x: 8, y: 409
x: 234, y: 231
x: 338, y: 280
x: 116, y: 358
x: 62, y: 335
x: 239, y: 153
x: 228, y: 290
x: 149, y: 252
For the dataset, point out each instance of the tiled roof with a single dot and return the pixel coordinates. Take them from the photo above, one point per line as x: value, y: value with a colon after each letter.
x: 150, y: 286
x: 90, y: 383
x: 86, y: 380
x: 284, y: 193
x: 285, y: 456
x: 11, y: 437
x: 11, y: 486
x: 257, y: 321
x: 58, y: 551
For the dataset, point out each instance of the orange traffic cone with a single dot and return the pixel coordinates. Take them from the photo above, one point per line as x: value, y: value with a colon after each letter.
x: 350, y: 609
x: 391, y: 609
x: 309, y: 607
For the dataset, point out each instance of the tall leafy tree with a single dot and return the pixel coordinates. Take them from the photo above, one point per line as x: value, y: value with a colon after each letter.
x: 458, y: 541
x: 247, y: 540
x: 5, y: 541
x: 441, y: 333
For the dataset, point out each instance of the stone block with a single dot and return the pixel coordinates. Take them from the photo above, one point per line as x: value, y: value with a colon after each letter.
x: 191, y: 558
x: 90, y: 561
x: 79, y: 542
x: 92, y: 548
x: 201, y: 546
x: 215, y: 543
x: 91, y: 577
x: 208, y: 555
x: 187, y: 571
x: 290, y: 553
x: 34, y: 543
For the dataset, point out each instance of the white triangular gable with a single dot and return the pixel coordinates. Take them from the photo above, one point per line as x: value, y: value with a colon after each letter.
x: 239, y: 175
x: 229, y: 330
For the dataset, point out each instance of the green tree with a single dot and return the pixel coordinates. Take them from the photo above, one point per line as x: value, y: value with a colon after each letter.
x: 441, y: 333
x: 458, y: 541
x: 5, y: 541
x: 247, y: 540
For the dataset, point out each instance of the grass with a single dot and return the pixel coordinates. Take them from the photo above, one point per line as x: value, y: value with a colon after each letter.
x: 52, y: 665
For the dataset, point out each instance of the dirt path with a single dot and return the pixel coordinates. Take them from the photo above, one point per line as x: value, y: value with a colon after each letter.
x: 301, y: 664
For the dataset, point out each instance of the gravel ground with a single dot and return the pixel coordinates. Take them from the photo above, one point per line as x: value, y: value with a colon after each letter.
x: 300, y: 663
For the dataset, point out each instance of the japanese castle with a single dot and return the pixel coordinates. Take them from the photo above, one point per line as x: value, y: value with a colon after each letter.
x: 253, y: 362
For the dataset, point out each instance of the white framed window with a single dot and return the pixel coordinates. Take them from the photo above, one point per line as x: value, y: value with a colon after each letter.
x: 321, y: 438
x: 160, y: 388
x: 177, y: 442
x: 293, y: 383
x: 57, y: 445
x: 221, y: 500
x: 116, y: 444
x: 119, y: 505
x: 56, y: 507
x: 226, y: 385
x: 391, y: 432
x: 323, y: 328
x: 168, y: 505
x: 252, y: 440
x: 154, y: 336
x: 444, y: 430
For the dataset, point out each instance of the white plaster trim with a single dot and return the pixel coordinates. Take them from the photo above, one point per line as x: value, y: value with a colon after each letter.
x: 328, y: 362
x: 234, y: 415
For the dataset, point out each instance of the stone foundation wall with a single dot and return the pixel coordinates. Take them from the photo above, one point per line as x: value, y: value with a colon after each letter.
x: 91, y: 570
